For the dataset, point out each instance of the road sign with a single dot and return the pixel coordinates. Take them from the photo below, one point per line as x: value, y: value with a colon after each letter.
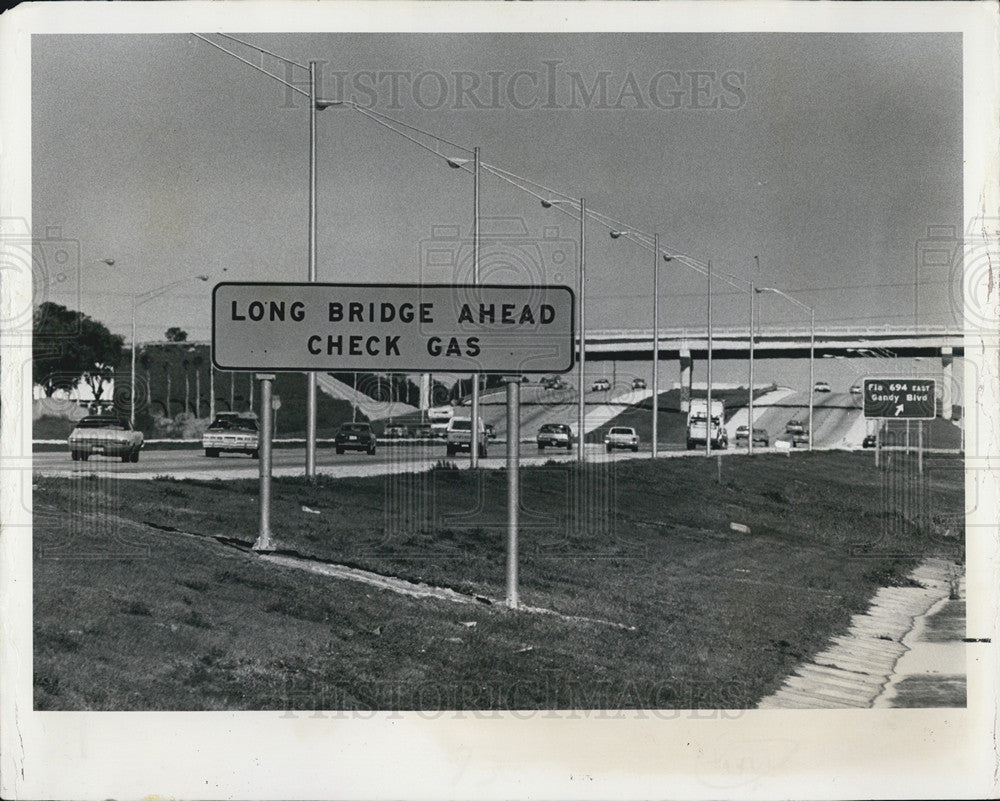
x: 437, y: 328
x: 899, y: 398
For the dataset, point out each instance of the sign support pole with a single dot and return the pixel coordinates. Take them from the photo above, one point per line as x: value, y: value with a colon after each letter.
x: 513, y: 484
x: 265, y: 542
x: 920, y: 447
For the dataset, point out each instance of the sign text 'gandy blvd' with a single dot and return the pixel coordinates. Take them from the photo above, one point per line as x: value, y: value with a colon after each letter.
x: 456, y: 328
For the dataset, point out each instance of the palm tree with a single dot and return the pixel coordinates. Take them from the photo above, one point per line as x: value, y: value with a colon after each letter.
x: 232, y: 392
x: 146, y: 361
x: 197, y: 360
x: 166, y: 369
x: 186, y: 364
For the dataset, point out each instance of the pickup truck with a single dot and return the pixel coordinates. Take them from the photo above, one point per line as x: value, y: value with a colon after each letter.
x: 233, y: 433
x: 104, y: 436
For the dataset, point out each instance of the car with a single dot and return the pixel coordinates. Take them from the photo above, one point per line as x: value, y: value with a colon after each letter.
x: 870, y: 441
x: 553, y: 382
x: 601, y: 385
x: 440, y: 413
x: 856, y: 389
x: 104, y: 435
x: 395, y: 432
x: 422, y: 431
x: 621, y: 437
x: 821, y: 386
x: 554, y: 435
x: 355, y: 437
x: 491, y: 432
x: 800, y: 438
x: 638, y: 383
x: 232, y: 432
x: 760, y: 436
x: 794, y: 426
x: 459, y: 436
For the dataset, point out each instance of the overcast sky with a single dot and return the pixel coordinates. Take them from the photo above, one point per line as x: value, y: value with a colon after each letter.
x: 828, y: 156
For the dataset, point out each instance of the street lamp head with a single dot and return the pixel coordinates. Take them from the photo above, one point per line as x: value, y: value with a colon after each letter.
x: 202, y: 277
x: 546, y: 204
x: 617, y: 234
x: 323, y: 104
x: 456, y: 164
x: 109, y: 262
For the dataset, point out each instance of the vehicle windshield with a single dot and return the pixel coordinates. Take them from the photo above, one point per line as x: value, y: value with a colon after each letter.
x: 355, y: 428
x: 103, y: 422
x: 622, y: 431
x: 553, y: 427
x: 462, y: 425
x: 234, y: 424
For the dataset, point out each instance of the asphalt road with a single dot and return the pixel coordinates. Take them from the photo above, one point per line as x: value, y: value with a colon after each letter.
x: 836, y: 424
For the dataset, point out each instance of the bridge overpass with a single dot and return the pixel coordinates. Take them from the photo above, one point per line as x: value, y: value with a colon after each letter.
x: 687, y: 344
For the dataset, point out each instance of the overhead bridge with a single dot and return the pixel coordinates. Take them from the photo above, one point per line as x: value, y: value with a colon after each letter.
x: 790, y: 343
x: 687, y: 345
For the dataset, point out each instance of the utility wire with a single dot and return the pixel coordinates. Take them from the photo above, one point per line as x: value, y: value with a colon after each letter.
x: 251, y: 64
x: 262, y: 50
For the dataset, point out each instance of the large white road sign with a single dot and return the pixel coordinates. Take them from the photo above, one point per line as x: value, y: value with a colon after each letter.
x: 899, y: 398
x: 436, y: 328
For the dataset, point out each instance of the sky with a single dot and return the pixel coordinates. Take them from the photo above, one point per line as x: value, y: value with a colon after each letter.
x: 828, y: 156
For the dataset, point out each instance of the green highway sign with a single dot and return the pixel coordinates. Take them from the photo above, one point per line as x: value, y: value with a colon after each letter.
x: 435, y: 328
x: 899, y: 398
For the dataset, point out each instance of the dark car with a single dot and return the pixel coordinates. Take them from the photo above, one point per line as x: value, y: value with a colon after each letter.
x: 491, y: 432
x: 355, y: 437
x: 869, y: 441
x: 555, y: 435
x: 800, y: 437
x: 638, y: 383
x: 760, y: 436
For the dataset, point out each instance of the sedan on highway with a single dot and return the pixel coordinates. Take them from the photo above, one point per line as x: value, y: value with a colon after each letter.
x: 794, y: 426
x: 638, y: 383
x: 821, y: 386
x: 621, y: 437
x: 856, y: 389
x: 760, y: 436
x: 869, y: 441
x: 555, y: 435
x: 104, y: 436
x: 800, y: 438
x: 601, y: 385
x: 231, y: 432
x: 355, y: 437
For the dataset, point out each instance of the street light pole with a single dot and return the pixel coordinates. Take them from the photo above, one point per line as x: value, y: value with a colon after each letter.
x: 708, y: 381
x: 750, y: 401
x: 582, y: 206
x: 812, y: 347
x: 474, y: 442
x: 311, y: 376
x: 656, y: 345
x: 583, y: 328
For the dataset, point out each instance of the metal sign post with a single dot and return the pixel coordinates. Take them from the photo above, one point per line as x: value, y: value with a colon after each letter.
x: 513, y: 483
x: 265, y: 541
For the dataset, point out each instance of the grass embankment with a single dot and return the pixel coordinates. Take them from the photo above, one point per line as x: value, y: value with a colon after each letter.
x: 131, y: 617
x: 671, y: 425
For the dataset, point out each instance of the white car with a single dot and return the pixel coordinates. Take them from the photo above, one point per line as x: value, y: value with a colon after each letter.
x: 856, y: 389
x: 821, y: 386
x: 601, y: 385
x: 437, y: 414
x: 621, y: 437
x: 105, y: 436
x: 232, y: 433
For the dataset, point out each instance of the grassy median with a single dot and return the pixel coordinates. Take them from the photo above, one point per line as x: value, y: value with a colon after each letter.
x: 147, y: 596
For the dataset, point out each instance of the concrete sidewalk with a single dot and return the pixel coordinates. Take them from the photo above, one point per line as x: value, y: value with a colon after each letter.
x: 906, y: 650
